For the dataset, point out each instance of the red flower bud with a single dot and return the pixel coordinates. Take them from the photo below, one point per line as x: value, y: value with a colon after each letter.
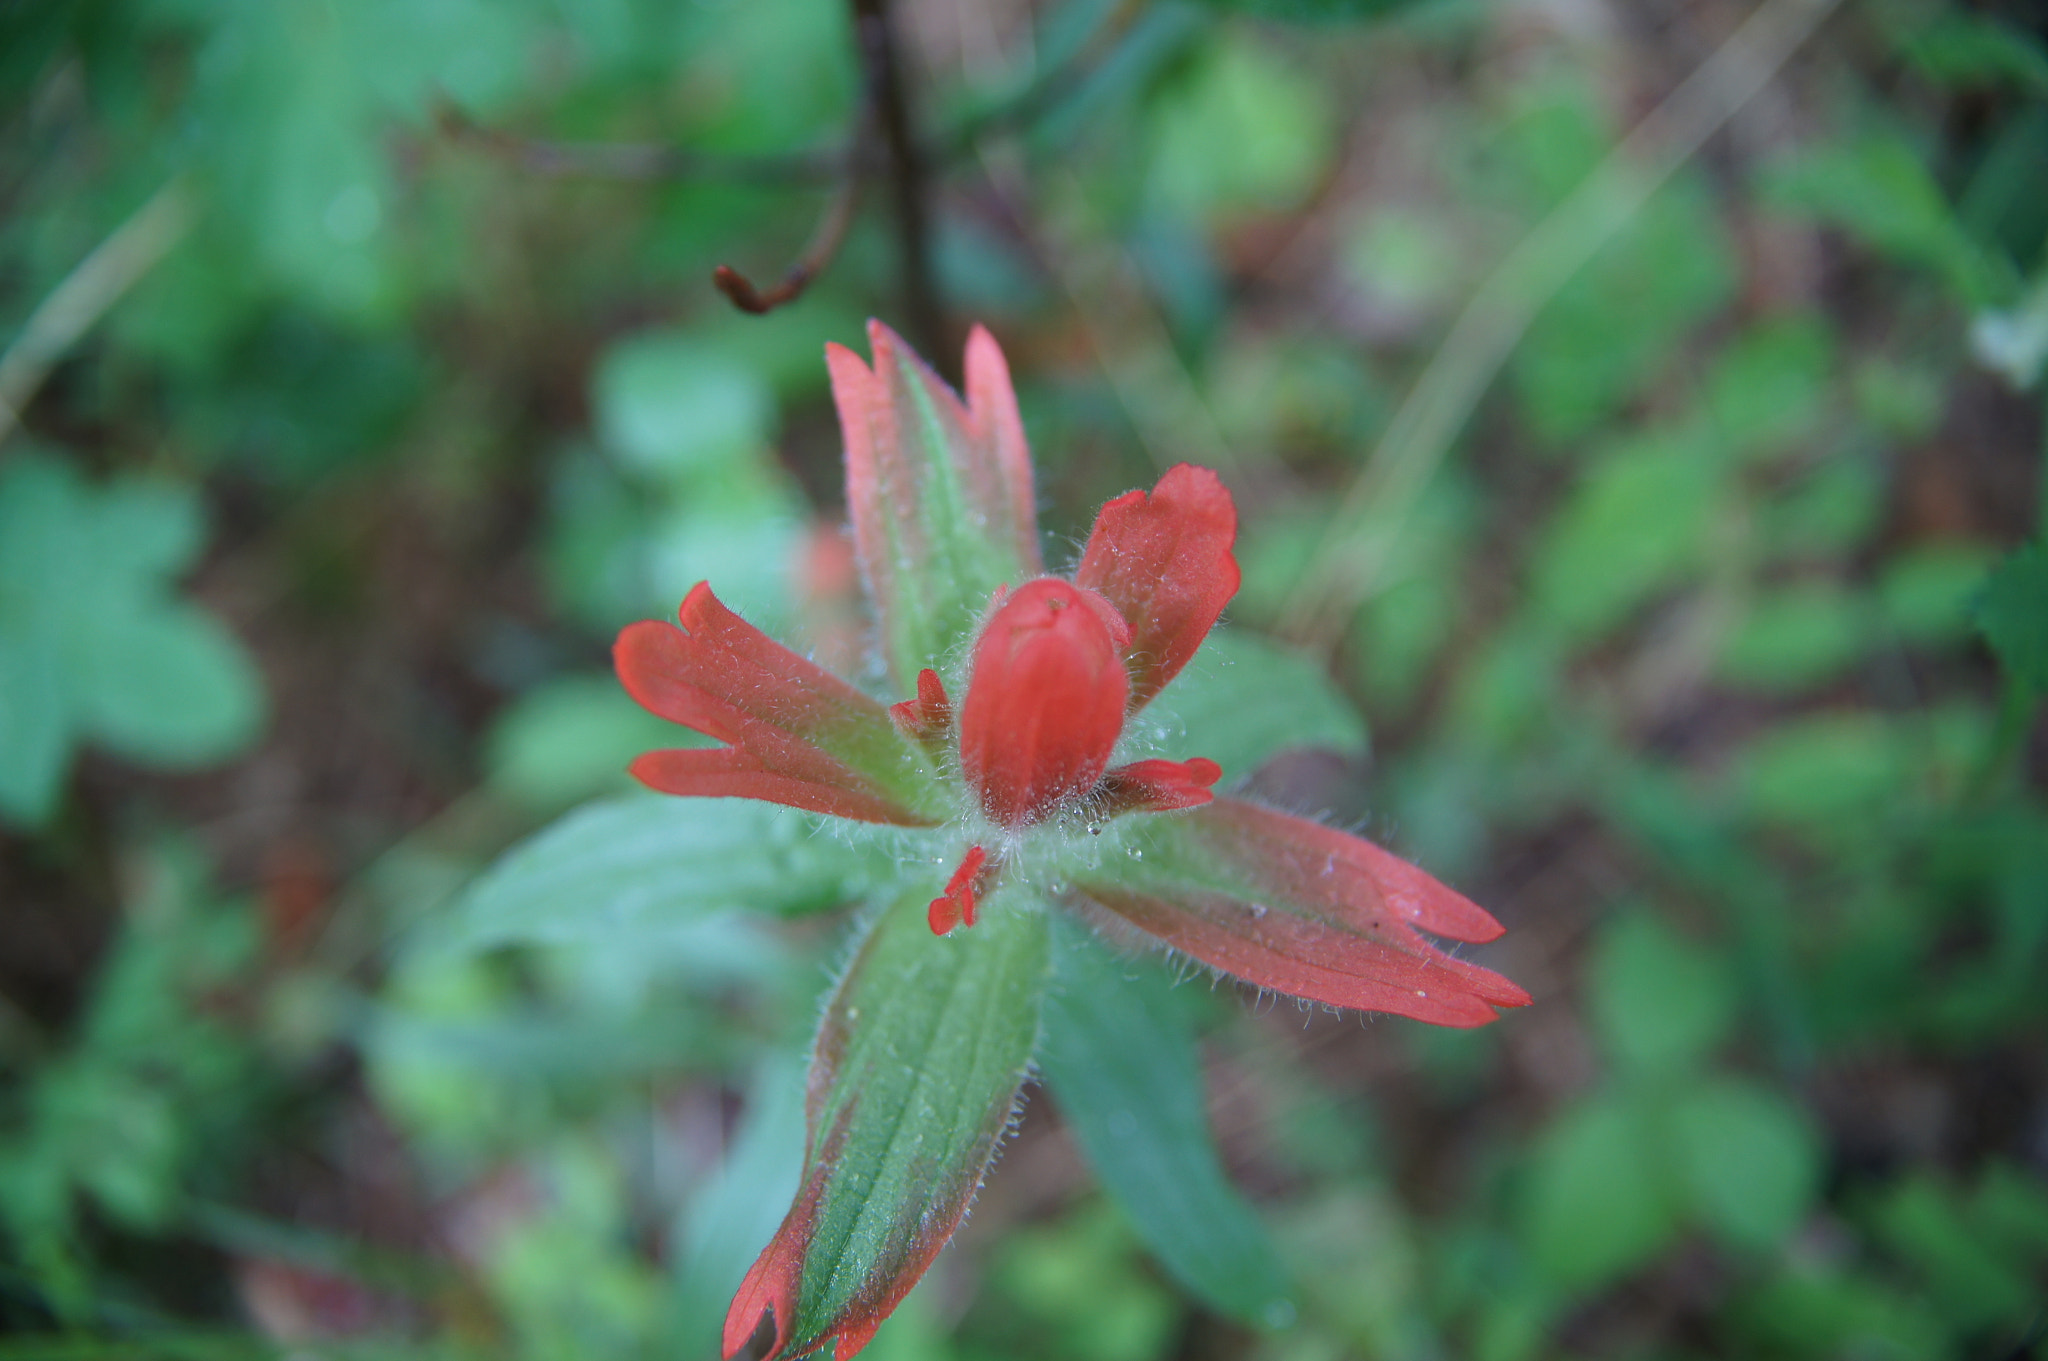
x: 1045, y: 702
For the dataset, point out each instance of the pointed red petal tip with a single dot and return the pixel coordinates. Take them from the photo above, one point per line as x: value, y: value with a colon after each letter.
x: 1159, y: 786
x: 1045, y: 703
x: 1310, y: 911
x: 1165, y: 562
x: 779, y: 715
x: 958, y: 905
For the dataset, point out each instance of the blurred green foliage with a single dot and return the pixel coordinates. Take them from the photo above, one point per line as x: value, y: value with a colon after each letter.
x: 1708, y: 652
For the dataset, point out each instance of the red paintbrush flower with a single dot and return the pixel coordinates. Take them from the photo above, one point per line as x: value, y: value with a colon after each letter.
x: 1020, y: 778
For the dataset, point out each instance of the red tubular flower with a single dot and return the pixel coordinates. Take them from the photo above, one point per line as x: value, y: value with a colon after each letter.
x: 1045, y: 704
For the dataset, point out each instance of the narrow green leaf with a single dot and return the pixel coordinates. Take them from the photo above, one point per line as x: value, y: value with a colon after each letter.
x: 1221, y: 705
x: 1121, y: 1063
x: 646, y: 865
x: 913, y: 1080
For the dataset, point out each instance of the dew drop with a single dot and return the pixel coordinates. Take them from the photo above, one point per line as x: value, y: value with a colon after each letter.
x: 1420, y: 993
x: 1258, y: 909
x: 1134, y: 852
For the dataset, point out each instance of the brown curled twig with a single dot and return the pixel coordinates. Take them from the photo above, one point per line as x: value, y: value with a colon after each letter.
x: 817, y: 253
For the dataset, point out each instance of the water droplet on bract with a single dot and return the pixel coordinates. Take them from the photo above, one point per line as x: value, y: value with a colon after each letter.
x: 1258, y: 909
x: 1134, y: 853
x: 1093, y: 830
x: 1420, y: 993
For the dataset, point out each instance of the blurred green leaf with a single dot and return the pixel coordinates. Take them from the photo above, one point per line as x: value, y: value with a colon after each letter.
x: 1221, y: 705
x: 35, y: 728
x: 676, y: 408
x: 1638, y: 520
x: 168, y: 686
x: 1120, y: 1061
x: 1080, y: 1283
x: 1925, y: 594
x: 92, y: 644
x: 1749, y: 1160
x: 724, y: 1227
x: 1822, y: 769
x: 1596, y: 1205
x: 1832, y: 510
x: 1880, y: 190
x: 571, y: 739
x: 2013, y: 612
x: 1245, y: 129
x: 1811, y: 1309
x: 1770, y: 386
x: 1969, y: 1280
x: 1661, y: 1003
x: 642, y: 866
x: 1615, y: 325
x: 1962, y: 48
x: 1793, y: 638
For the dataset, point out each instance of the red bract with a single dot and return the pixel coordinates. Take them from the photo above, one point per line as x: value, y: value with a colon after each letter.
x: 796, y: 733
x: 1016, y: 780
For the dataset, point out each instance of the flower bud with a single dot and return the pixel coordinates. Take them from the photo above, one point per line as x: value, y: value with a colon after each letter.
x: 1045, y: 701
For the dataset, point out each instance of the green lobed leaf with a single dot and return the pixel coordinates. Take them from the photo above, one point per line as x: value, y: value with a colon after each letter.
x: 1121, y: 1063
x: 2013, y: 612
x: 1223, y: 706
x: 91, y: 641
x: 35, y: 730
x: 166, y: 684
x: 915, y: 1073
x: 647, y: 865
